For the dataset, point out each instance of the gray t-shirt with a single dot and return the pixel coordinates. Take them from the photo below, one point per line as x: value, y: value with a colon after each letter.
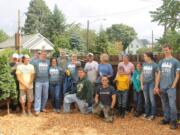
x: 42, y: 68
x: 149, y: 70
x: 168, y: 69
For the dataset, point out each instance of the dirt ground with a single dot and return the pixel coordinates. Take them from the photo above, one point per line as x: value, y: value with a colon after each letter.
x: 78, y: 124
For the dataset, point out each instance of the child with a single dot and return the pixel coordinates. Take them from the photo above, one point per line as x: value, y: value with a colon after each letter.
x: 137, y: 90
x: 122, y: 85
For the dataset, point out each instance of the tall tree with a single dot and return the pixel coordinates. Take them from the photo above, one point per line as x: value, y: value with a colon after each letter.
x: 101, y: 42
x: 56, y: 24
x: 121, y: 33
x: 37, y: 18
x: 167, y: 15
x: 3, y: 36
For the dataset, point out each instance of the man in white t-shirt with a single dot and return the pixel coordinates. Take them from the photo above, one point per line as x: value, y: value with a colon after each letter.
x: 25, y: 75
x: 91, y: 67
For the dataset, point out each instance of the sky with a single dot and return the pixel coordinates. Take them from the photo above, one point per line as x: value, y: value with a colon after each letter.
x: 100, y: 13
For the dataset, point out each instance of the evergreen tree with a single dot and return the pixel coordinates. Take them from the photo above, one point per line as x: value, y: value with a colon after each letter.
x: 74, y: 41
x: 101, y: 42
x: 7, y: 82
x: 37, y: 18
x: 56, y: 24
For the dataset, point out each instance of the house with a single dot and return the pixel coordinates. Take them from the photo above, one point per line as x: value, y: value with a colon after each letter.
x: 31, y: 42
x: 135, y: 45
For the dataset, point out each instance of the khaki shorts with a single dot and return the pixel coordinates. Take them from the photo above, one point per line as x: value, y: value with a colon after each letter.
x: 24, y: 94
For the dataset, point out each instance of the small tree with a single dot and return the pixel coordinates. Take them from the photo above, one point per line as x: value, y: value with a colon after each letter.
x: 7, y: 82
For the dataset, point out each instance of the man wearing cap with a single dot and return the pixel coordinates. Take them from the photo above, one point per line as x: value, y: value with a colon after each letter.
x: 25, y: 75
x: 14, y: 63
x: 91, y: 68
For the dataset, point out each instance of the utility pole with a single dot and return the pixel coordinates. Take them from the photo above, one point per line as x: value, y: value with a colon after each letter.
x: 87, y: 38
x: 152, y: 39
x: 18, y: 35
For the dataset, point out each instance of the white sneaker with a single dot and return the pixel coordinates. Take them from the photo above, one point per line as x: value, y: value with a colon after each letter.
x: 145, y: 116
x: 152, y: 117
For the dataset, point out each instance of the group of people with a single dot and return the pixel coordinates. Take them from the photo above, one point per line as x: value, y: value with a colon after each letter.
x: 96, y: 88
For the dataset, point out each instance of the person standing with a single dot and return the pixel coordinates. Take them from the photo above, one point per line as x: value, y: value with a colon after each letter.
x: 25, y: 75
x: 14, y: 63
x: 41, y: 83
x: 149, y: 73
x: 105, y: 68
x: 73, y: 67
x: 91, y: 67
x: 62, y: 60
x: 55, y: 78
x: 137, y: 90
x: 168, y: 76
x: 129, y: 69
x: 122, y: 86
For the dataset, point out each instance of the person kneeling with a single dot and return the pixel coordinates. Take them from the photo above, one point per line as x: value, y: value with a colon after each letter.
x: 105, y: 100
x: 83, y: 95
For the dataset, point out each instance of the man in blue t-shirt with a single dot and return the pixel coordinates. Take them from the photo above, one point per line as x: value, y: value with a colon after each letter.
x: 41, y: 83
x: 168, y: 76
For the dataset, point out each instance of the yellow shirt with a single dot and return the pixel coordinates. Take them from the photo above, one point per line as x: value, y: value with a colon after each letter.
x: 25, y: 72
x: 122, y: 82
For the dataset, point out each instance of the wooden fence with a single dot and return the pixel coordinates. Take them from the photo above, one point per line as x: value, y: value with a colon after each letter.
x: 114, y: 60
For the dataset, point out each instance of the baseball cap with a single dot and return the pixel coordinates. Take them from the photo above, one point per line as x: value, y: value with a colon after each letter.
x: 90, y: 54
x: 15, y: 55
x: 26, y: 56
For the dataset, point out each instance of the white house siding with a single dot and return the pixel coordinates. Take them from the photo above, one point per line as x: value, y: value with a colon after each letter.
x: 134, y: 46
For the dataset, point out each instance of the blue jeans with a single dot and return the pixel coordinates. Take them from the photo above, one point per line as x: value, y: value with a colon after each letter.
x: 122, y: 98
x: 72, y: 98
x: 168, y: 99
x: 56, y: 95
x: 150, y: 103
x: 138, y: 100
x: 41, y: 95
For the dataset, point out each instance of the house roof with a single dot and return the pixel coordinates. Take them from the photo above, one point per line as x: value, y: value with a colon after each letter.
x: 28, y: 41
x: 10, y: 42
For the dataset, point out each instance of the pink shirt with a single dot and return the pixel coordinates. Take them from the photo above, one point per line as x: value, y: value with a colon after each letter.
x: 129, y: 68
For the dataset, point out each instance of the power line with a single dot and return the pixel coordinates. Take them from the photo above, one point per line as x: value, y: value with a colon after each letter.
x: 134, y: 11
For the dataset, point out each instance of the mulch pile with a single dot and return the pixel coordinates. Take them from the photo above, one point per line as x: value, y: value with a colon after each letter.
x: 78, y: 124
